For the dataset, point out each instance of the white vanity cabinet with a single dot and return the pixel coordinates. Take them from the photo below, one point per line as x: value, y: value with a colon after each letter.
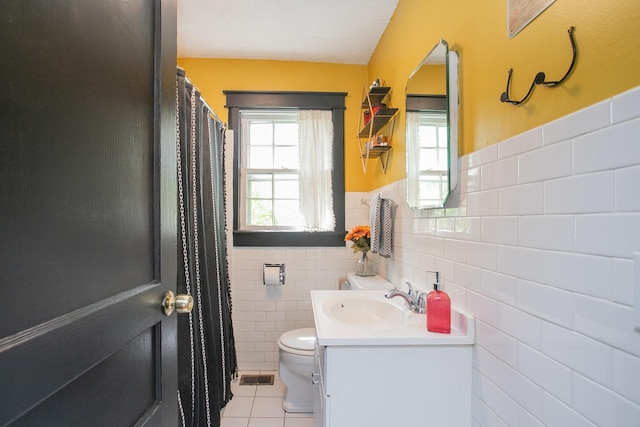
x: 377, y: 365
x: 385, y: 386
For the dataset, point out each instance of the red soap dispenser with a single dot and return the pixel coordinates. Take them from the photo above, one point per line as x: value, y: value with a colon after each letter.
x: 438, y: 309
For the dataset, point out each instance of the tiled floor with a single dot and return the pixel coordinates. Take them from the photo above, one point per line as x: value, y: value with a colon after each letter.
x: 260, y: 406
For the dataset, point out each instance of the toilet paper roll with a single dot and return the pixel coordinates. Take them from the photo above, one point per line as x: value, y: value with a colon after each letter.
x: 273, y: 274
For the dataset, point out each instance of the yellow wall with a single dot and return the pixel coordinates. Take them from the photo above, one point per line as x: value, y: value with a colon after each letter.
x: 608, y: 40
x: 607, y: 35
x: 212, y: 76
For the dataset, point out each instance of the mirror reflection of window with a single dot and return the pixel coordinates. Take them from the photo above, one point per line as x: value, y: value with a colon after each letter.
x: 430, y: 141
x: 431, y: 129
x: 433, y: 153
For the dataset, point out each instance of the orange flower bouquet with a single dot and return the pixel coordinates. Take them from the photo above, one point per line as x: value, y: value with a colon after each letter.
x: 360, y: 235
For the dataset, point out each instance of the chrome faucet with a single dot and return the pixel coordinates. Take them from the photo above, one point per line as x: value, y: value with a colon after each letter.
x: 415, y: 301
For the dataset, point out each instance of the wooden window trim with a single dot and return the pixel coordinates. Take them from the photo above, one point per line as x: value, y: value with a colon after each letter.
x: 334, y: 101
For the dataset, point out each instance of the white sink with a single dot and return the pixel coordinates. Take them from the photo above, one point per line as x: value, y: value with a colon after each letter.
x: 368, y: 318
x: 364, y: 312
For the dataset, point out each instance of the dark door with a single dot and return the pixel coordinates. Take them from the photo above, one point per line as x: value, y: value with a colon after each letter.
x: 87, y: 212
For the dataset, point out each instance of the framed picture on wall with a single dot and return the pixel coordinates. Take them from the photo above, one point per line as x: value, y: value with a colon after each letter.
x: 521, y: 12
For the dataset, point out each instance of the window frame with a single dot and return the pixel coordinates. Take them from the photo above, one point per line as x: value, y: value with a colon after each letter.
x: 269, y: 100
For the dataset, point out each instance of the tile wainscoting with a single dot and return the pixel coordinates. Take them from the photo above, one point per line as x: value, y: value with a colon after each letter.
x: 538, y: 243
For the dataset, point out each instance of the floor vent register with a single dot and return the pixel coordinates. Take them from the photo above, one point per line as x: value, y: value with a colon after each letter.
x: 256, y: 379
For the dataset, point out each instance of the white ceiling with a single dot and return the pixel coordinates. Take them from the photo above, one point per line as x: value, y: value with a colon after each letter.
x: 338, y: 31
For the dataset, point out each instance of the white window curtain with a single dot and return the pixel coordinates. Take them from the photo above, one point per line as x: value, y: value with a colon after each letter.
x: 316, y: 170
x: 413, y: 161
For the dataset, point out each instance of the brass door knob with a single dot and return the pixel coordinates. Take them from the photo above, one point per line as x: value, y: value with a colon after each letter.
x: 180, y: 303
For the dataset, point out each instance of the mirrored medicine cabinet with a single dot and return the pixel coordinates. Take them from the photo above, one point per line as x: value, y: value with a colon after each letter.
x: 432, y: 129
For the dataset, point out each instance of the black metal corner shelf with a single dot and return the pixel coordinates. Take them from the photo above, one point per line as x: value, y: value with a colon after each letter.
x: 383, y: 116
x: 376, y: 95
x: 377, y: 122
x: 378, y: 152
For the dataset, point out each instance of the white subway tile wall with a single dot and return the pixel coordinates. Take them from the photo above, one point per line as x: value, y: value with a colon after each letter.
x: 537, y: 242
x: 262, y: 313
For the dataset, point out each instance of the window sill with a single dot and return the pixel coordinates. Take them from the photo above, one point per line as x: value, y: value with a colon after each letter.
x: 288, y: 238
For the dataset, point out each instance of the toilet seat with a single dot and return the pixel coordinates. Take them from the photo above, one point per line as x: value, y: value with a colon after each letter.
x: 298, y: 341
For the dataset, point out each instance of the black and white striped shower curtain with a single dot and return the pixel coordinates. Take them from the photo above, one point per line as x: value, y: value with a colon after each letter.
x: 206, y: 349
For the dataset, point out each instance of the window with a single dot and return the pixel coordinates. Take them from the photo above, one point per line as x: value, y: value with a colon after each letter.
x: 428, y: 137
x: 270, y: 170
x: 271, y: 184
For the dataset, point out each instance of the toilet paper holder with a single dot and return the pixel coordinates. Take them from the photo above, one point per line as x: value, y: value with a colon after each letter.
x: 273, y: 274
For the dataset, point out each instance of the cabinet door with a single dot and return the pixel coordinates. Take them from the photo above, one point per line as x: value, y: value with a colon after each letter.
x: 319, y: 397
x: 319, y: 405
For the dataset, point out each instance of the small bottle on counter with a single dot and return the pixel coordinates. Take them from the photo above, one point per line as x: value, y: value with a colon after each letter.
x: 438, y: 309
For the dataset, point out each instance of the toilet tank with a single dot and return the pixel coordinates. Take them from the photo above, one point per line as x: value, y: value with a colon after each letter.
x: 369, y: 282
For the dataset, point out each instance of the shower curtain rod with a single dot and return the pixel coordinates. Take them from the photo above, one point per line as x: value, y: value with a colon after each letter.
x: 190, y: 85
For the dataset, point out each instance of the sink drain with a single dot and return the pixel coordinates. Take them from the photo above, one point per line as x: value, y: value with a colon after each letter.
x: 256, y: 379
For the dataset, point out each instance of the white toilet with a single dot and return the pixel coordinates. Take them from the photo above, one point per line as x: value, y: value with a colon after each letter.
x: 296, y: 366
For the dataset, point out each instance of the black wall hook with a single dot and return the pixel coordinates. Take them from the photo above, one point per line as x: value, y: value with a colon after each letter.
x: 540, y: 78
